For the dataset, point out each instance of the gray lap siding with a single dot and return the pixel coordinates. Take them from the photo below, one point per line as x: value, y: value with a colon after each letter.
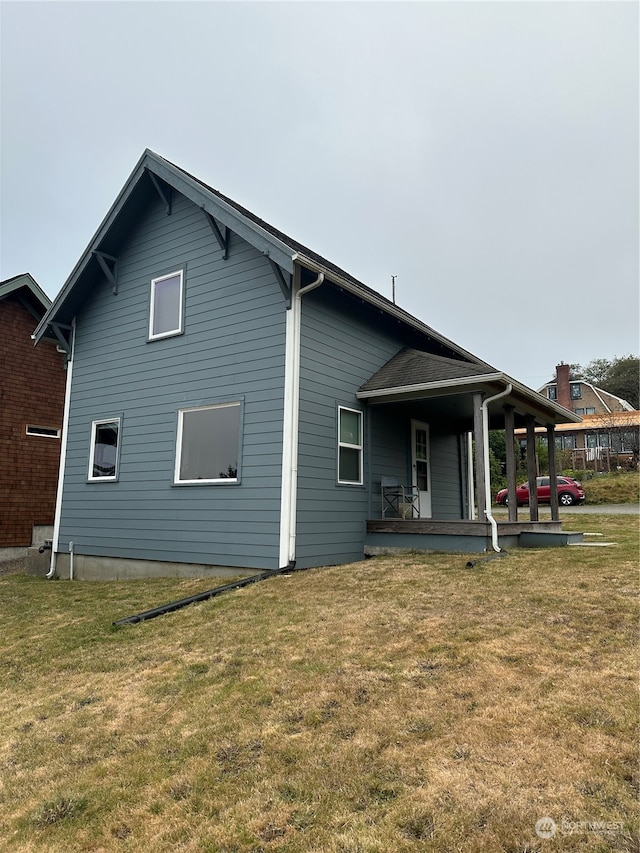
x: 341, y: 349
x: 339, y: 352
x: 232, y: 349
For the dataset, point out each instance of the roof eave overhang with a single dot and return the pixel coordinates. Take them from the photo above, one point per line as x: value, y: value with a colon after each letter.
x: 523, y: 399
x: 384, y: 305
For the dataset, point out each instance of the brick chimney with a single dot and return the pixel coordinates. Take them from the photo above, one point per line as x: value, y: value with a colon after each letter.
x: 562, y: 384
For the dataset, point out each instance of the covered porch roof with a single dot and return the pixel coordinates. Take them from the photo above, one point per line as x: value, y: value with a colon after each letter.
x: 412, y: 374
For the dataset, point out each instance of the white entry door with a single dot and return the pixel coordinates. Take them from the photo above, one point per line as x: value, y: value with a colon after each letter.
x: 421, y: 465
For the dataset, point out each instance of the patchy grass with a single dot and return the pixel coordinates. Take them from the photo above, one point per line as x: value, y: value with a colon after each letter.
x: 398, y: 704
x: 619, y: 488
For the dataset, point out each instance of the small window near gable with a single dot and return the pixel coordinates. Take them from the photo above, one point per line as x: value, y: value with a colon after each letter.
x: 103, y: 458
x: 349, y: 446
x: 208, y: 444
x: 165, y: 316
x: 43, y: 432
x: 553, y: 392
x: 576, y: 391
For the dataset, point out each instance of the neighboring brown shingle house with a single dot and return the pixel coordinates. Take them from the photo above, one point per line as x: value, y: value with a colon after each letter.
x: 32, y: 383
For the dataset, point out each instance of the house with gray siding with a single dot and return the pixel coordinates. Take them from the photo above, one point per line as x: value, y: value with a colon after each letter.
x: 237, y: 403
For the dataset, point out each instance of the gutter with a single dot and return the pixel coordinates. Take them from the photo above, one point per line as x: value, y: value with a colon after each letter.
x: 383, y: 304
x: 537, y: 403
x: 288, y: 503
x: 485, y: 450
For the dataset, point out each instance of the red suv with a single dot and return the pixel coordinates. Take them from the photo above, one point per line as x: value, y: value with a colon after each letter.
x: 569, y: 492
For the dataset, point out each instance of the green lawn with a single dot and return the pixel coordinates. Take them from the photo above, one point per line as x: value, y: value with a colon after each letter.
x: 397, y: 704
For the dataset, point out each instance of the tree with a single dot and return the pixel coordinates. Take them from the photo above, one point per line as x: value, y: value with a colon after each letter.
x: 620, y: 376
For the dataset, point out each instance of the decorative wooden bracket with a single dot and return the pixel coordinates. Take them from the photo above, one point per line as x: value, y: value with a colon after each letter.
x: 57, y: 330
x: 163, y: 190
x: 285, y: 286
x: 223, y: 239
x: 110, y: 272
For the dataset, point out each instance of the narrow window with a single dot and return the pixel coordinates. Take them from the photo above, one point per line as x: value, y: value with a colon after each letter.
x: 208, y: 444
x: 553, y: 392
x: 576, y: 391
x: 165, y: 316
x: 103, y: 459
x: 349, y: 446
x: 43, y: 432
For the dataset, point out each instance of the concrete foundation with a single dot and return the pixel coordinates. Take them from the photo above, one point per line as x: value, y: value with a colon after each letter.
x: 89, y: 568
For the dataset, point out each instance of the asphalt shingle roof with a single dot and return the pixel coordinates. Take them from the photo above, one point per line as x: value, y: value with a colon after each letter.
x: 414, y: 367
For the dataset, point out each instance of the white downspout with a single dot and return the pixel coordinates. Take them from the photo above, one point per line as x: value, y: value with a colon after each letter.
x: 63, y: 454
x: 485, y: 450
x: 288, y: 504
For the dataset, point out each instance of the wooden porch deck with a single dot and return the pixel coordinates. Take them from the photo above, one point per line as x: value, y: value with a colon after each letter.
x: 464, y: 536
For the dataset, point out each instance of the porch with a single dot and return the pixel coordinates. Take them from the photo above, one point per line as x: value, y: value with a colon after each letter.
x: 393, y: 535
x: 443, y: 497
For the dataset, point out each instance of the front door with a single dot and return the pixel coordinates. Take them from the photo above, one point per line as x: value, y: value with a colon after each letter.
x: 421, y: 466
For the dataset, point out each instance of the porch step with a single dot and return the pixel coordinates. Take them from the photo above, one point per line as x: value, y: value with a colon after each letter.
x: 549, y: 539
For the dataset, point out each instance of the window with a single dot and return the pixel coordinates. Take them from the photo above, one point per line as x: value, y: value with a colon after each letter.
x: 576, y: 390
x: 590, y: 410
x: 208, y: 444
x: 103, y: 458
x: 349, y: 446
x: 43, y: 432
x: 565, y: 442
x: 165, y: 317
x: 579, y: 411
x: 553, y: 392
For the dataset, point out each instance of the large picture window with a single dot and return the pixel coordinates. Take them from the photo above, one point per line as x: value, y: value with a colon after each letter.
x: 103, y: 457
x: 349, y: 446
x: 208, y: 444
x: 165, y: 317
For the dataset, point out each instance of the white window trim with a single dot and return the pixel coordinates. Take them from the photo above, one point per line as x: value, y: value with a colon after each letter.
x: 51, y: 432
x: 171, y: 332
x: 221, y: 481
x: 94, y: 425
x: 359, y: 447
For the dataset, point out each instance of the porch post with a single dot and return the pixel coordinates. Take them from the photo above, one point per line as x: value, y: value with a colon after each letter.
x: 532, y: 472
x: 481, y: 474
x: 551, y: 441
x: 511, y: 462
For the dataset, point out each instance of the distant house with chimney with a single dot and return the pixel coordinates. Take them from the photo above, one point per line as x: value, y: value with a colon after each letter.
x: 609, y: 434
x: 580, y: 396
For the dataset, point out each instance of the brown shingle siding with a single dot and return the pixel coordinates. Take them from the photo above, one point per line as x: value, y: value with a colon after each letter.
x: 32, y: 382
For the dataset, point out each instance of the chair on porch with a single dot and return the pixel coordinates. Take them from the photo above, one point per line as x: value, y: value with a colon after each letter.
x: 399, y: 501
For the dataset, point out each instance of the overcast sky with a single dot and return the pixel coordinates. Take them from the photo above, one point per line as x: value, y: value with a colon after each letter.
x: 485, y: 153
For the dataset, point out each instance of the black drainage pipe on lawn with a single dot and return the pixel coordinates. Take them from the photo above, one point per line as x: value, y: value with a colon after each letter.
x: 495, y: 556
x: 202, y: 596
